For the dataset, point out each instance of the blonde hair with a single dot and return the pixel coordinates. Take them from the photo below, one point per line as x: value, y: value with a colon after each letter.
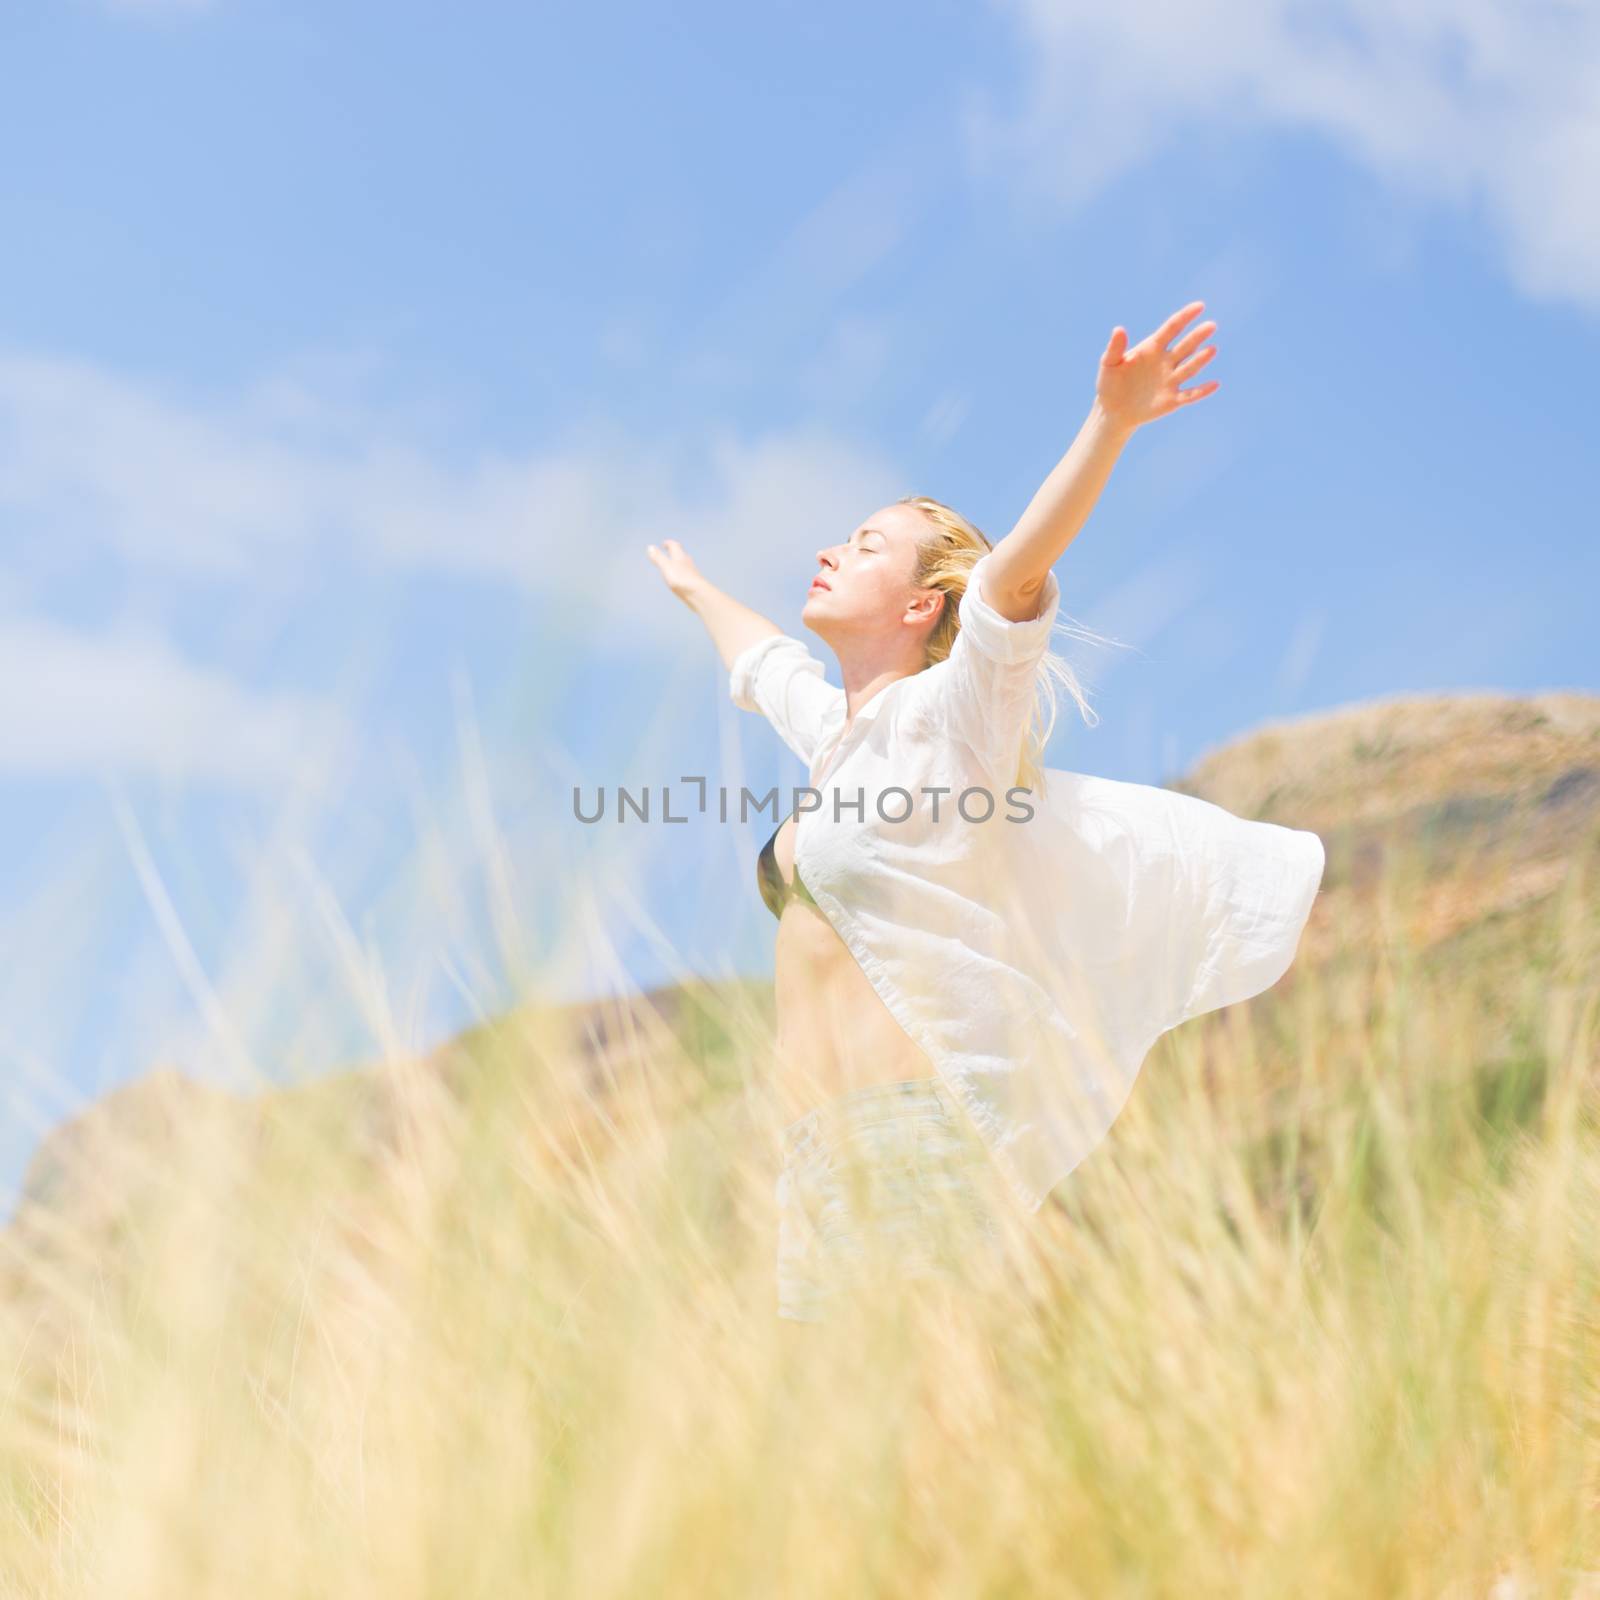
x: 945, y: 559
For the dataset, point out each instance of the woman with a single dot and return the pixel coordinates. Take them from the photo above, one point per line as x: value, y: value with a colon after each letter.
x: 972, y: 961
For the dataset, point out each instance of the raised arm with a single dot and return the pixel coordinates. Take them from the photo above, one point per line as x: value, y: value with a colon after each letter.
x: 733, y: 626
x: 768, y: 670
x: 1132, y: 387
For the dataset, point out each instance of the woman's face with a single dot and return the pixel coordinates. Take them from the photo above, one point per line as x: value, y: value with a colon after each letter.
x: 863, y: 586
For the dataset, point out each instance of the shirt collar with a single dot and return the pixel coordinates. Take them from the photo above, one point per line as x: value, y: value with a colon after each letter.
x: 837, y: 714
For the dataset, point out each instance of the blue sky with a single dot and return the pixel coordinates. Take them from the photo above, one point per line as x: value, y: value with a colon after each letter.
x: 350, y: 356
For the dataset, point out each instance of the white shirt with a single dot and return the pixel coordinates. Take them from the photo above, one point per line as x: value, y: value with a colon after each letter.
x: 1035, y: 962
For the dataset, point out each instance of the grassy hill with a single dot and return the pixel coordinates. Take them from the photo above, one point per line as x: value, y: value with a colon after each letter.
x: 1320, y: 1316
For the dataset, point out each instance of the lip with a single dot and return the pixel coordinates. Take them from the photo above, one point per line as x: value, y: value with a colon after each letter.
x: 817, y: 583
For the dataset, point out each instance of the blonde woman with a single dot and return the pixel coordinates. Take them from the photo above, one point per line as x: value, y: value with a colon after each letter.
x: 974, y: 953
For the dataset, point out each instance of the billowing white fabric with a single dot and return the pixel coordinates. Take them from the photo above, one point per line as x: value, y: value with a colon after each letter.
x: 1034, y: 961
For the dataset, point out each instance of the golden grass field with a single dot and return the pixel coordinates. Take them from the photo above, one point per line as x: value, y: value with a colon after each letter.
x: 1320, y: 1318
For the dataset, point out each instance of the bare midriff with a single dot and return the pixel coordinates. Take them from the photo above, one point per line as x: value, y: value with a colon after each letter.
x: 834, y: 1033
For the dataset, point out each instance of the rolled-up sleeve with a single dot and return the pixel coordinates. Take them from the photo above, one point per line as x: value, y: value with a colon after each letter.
x: 991, y: 672
x: 779, y: 677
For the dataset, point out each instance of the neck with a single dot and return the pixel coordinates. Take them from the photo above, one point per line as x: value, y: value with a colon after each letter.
x: 865, y: 678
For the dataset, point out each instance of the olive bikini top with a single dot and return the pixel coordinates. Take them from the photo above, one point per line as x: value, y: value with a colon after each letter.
x: 774, y: 891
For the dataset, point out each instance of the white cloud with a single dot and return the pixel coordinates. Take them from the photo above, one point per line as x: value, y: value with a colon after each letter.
x: 855, y: 355
x: 88, y: 455
x: 126, y: 702
x: 1295, y: 667
x: 1145, y: 604
x: 252, y: 490
x: 942, y: 420
x: 1472, y: 102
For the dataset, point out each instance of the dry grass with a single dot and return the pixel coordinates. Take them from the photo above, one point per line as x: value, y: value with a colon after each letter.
x: 1322, y: 1317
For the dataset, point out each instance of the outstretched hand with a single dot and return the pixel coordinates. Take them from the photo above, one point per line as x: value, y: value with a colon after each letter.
x: 1137, y: 385
x: 676, y: 565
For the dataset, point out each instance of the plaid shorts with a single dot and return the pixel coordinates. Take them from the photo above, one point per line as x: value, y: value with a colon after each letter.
x: 889, y: 1177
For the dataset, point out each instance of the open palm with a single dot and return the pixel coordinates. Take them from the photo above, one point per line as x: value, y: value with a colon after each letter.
x: 1138, y: 385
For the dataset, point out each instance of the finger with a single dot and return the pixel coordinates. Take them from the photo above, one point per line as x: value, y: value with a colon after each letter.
x: 1187, y: 369
x: 1199, y: 392
x: 1177, y: 320
x: 1195, y: 336
x: 1114, y: 349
